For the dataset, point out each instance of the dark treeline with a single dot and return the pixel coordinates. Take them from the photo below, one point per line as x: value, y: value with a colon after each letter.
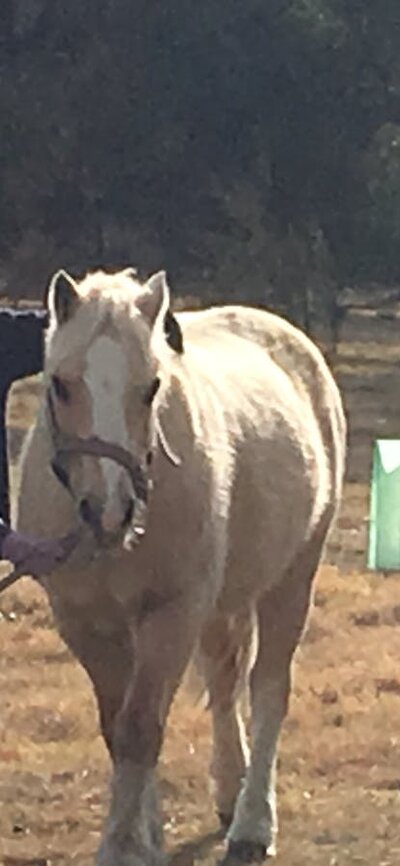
x: 251, y: 147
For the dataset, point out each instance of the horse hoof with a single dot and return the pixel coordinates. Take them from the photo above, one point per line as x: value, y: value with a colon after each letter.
x: 246, y: 852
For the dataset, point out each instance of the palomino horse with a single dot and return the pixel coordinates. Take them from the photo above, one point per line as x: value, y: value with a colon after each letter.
x: 203, y: 457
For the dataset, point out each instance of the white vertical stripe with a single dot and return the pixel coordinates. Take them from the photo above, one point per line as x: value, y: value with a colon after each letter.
x: 106, y: 379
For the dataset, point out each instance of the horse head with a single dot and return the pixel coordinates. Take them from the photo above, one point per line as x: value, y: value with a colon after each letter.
x: 102, y: 377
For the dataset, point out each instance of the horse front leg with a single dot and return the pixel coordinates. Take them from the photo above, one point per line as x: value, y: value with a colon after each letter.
x: 163, y: 645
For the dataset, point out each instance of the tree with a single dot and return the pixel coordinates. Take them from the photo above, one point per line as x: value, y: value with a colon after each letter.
x: 216, y: 139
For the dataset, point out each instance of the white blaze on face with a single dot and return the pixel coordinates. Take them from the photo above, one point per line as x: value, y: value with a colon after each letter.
x: 106, y: 378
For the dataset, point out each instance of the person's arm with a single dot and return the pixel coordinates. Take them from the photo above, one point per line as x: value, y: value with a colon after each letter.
x: 21, y: 354
x: 35, y: 556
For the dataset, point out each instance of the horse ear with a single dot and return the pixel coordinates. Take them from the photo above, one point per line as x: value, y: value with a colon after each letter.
x: 63, y: 297
x: 153, y: 300
x: 173, y: 333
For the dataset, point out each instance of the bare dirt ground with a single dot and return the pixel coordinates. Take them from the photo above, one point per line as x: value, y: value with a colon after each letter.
x: 339, y: 772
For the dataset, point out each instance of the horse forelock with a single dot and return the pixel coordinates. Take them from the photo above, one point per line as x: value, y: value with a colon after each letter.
x: 117, y: 286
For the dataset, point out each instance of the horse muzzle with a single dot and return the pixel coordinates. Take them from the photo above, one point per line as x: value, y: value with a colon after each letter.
x: 110, y: 527
x: 109, y: 523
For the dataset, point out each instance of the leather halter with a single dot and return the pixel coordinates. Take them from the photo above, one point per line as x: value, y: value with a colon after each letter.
x: 66, y: 445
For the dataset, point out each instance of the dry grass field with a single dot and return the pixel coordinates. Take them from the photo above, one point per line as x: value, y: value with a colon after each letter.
x: 339, y: 768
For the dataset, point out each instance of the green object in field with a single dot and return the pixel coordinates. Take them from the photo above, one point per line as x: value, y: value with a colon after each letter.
x: 384, y: 526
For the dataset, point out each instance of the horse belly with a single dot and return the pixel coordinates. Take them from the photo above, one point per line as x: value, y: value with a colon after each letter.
x: 273, y: 511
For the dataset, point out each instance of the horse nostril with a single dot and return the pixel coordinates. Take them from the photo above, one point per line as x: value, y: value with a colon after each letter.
x: 86, y: 511
x: 128, y: 513
x: 60, y: 473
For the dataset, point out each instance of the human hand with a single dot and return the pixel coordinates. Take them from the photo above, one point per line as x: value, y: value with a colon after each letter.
x: 37, y: 556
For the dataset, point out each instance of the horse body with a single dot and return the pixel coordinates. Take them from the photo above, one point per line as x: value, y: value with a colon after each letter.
x: 233, y: 534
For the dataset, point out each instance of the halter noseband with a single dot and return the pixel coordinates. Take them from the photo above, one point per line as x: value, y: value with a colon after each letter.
x: 66, y: 445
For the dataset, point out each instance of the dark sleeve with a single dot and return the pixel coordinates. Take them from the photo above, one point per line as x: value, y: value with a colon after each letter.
x: 21, y: 343
x: 4, y: 500
x: 4, y: 530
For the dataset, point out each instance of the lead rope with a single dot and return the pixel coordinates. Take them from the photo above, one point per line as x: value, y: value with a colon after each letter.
x: 135, y: 533
x: 11, y: 578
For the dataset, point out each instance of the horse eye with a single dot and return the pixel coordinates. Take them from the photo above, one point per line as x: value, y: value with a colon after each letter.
x: 152, y: 391
x: 60, y: 389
